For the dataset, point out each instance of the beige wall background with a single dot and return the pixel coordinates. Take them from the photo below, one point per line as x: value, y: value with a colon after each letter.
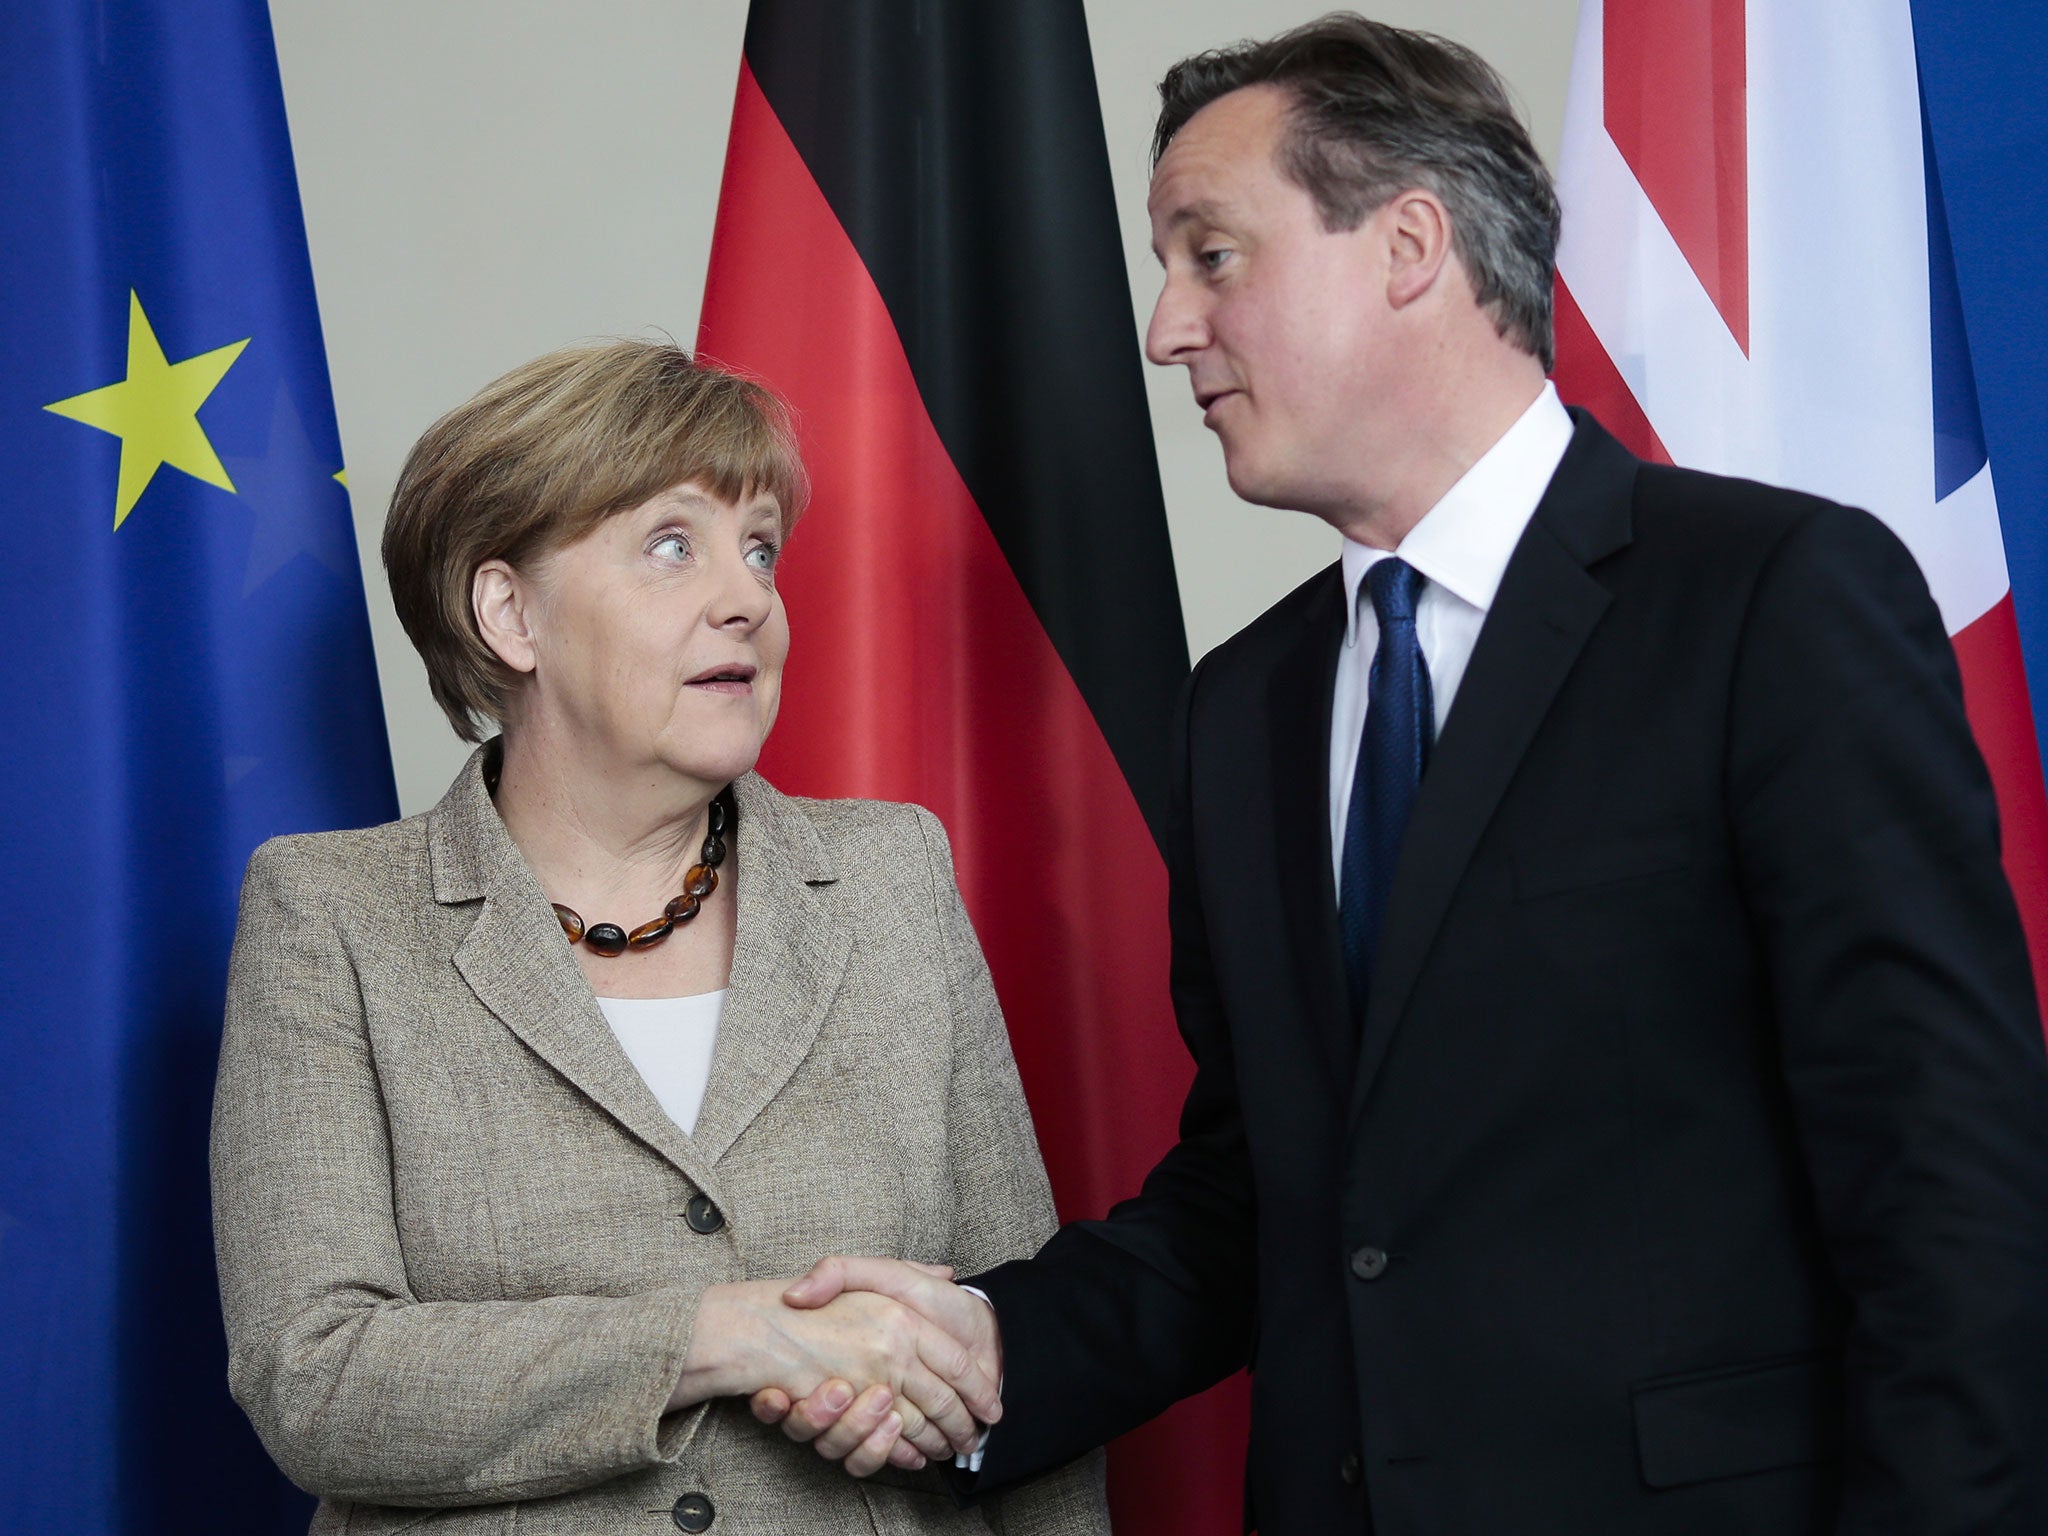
x: 486, y: 179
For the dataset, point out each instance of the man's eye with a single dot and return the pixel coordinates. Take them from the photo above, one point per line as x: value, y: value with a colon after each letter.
x: 1210, y: 260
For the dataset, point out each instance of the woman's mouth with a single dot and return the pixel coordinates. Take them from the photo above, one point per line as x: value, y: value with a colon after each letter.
x: 735, y: 680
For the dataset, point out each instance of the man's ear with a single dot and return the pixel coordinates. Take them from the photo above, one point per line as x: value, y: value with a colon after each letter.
x: 502, y: 601
x: 1418, y: 233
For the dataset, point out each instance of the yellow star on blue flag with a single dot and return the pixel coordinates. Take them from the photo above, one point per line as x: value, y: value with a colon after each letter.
x: 155, y: 411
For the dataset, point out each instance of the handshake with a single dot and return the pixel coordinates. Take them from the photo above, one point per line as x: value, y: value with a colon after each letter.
x: 873, y: 1361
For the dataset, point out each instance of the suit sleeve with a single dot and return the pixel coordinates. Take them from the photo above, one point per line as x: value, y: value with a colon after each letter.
x: 1867, y: 844
x: 358, y: 1389
x: 1115, y: 1320
x: 1004, y: 1203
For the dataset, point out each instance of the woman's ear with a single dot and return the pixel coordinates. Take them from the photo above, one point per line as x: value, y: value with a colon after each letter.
x: 502, y: 601
x: 1419, y: 236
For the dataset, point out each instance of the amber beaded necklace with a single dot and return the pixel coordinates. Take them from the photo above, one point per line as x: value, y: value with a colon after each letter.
x: 609, y: 939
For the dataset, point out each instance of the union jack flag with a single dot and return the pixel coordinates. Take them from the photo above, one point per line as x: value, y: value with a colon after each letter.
x: 1756, y: 278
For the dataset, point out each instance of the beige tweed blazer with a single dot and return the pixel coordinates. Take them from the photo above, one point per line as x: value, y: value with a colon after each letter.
x: 450, y: 1217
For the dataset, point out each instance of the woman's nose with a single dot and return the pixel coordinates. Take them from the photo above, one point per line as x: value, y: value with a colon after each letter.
x: 743, y: 599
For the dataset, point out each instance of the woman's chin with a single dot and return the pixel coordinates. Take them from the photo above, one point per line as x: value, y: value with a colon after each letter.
x: 711, y: 764
x: 715, y: 750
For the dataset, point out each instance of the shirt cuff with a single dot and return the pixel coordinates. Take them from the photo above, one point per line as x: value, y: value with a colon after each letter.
x: 971, y: 1461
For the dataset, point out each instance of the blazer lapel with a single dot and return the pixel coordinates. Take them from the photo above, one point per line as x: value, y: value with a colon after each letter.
x: 788, y: 961
x: 1545, y: 610
x: 517, y: 964
x: 1301, y: 696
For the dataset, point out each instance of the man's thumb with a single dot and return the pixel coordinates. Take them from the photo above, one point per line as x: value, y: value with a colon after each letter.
x: 827, y: 1278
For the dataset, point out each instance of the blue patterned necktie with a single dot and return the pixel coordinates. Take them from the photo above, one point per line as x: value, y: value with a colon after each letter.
x: 1400, y: 723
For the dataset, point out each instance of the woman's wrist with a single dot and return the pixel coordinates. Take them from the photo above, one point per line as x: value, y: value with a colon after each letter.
x: 724, y: 1355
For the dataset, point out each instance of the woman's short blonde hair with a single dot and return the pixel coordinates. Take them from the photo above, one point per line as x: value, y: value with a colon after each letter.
x: 542, y: 456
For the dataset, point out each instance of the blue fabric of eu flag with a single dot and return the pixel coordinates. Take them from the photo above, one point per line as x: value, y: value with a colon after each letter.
x: 187, y: 671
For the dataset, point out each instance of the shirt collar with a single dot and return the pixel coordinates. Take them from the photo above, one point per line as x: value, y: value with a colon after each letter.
x: 1464, y: 541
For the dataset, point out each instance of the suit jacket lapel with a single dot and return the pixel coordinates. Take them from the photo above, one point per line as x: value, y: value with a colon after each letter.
x: 1545, y: 610
x: 1299, y: 739
x: 517, y: 964
x: 788, y: 961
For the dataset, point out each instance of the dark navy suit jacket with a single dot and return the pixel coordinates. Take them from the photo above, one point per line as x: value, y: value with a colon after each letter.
x: 1687, y: 1171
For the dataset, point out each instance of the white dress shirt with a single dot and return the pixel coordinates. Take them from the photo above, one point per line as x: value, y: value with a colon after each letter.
x: 669, y: 1040
x: 1461, y: 547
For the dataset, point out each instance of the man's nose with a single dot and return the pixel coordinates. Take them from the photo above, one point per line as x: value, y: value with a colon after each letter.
x: 1176, y: 329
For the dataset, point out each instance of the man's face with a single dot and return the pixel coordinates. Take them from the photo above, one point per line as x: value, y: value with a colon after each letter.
x: 1283, y: 326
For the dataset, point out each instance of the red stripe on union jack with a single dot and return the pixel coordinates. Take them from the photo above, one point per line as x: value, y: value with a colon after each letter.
x: 1675, y: 108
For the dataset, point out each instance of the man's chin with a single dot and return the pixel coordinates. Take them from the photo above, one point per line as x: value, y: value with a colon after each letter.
x: 1255, y: 483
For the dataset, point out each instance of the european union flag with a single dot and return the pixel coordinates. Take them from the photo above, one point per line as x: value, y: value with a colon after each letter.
x: 187, y: 671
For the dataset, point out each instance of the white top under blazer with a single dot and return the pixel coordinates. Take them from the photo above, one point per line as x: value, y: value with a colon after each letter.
x: 669, y: 1040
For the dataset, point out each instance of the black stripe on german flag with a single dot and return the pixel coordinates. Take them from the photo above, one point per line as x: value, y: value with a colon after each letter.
x: 977, y: 192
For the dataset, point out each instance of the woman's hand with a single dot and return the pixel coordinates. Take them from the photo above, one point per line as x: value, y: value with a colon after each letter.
x: 747, y: 1339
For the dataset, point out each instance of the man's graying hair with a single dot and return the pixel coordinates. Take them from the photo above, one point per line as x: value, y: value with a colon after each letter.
x: 1378, y: 110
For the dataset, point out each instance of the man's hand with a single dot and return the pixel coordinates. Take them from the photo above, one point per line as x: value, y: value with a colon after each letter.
x: 860, y: 1431
x: 831, y: 1417
x: 926, y: 1392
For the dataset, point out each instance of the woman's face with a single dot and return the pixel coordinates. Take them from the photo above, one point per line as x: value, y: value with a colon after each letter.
x: 657, y: 639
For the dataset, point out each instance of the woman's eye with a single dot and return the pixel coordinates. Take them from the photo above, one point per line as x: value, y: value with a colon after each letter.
x: 671, y: 546
x: 762, y: 557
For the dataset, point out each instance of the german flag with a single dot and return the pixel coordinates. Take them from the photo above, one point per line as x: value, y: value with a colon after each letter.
x: 917, y: 247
